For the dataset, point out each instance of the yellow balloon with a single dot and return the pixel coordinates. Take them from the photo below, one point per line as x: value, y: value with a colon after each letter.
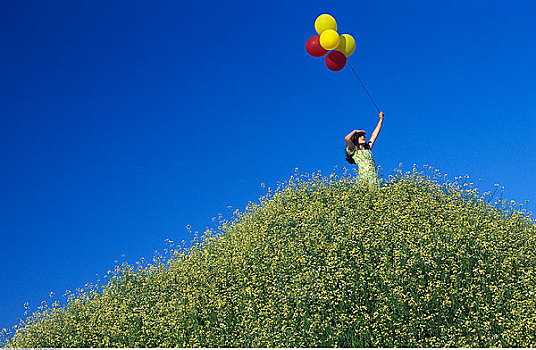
x: 329, y: 39
x: 325, y: 22
x: 346, y: 45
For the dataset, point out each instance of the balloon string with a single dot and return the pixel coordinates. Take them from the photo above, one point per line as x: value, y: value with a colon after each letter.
x: 363, y: 85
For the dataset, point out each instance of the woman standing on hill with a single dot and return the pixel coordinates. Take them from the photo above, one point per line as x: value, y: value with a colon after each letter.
x: 358, y: 151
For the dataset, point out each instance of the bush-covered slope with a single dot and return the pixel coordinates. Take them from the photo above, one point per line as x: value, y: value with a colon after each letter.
x: 324, y: 262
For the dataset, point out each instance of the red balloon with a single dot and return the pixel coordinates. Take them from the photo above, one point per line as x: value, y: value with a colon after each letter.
x: 314, y: 48
x: 335, y: 60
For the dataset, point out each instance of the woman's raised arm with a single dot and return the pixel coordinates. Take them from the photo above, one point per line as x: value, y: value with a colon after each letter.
x: 376, y: 131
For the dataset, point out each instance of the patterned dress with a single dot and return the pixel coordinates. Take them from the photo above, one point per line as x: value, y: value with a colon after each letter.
x: 368, y: 173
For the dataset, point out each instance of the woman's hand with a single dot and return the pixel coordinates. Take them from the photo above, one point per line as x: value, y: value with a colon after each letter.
x: 381, y: 115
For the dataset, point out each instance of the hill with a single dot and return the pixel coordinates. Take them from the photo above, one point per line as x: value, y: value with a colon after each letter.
x: 323, y: 262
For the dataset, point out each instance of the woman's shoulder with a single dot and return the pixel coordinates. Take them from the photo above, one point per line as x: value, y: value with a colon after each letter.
x: 357, y: 150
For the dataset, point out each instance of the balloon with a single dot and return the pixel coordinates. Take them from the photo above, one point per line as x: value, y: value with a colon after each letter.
x: 324, y: 22
x: 335, y: 60
x: 314, y: 48
x: 347, y: 45
x: 329, y: 39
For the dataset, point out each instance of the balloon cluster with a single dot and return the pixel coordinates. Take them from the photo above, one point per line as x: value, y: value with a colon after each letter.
x: 328, y: 39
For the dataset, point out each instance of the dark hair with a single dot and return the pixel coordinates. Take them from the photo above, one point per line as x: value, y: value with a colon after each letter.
x: 349, y: 157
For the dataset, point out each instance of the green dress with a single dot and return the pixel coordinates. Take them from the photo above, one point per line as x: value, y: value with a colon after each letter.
x: 368, y: 173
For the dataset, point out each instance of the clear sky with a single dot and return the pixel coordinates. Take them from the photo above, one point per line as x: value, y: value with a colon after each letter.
x: 125, y: 121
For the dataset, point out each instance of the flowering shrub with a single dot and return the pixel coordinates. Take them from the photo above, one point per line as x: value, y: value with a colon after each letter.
x: 323, y: 262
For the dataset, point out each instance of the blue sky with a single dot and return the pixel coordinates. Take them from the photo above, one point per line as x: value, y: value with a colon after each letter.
x: 123, y: 122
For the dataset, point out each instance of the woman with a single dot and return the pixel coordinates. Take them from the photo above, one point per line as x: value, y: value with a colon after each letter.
x: 358, y: 152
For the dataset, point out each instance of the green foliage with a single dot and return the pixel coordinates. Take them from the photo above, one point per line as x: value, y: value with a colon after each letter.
x: 323, y: 262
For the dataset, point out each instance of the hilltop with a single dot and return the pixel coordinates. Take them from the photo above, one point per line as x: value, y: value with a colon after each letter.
x: 323, y: 262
